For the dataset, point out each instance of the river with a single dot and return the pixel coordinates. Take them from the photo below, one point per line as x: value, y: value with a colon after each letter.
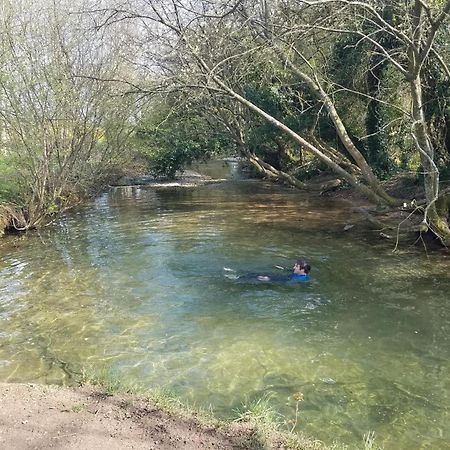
x: 142, y: 281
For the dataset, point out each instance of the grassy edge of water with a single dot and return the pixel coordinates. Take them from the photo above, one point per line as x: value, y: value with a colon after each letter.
x: 261, y: 422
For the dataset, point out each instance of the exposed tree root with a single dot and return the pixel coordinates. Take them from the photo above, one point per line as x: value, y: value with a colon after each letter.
x: 13, y: 219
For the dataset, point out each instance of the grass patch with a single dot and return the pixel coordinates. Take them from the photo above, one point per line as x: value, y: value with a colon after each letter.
x: 269, y: 424
x: 77, y: 408
x: 110, y: 383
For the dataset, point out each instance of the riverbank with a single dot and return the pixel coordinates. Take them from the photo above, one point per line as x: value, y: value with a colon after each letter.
x: 388, y: 221
x: 13, y: 218
x: 401, y: 225
x: 40, y: 417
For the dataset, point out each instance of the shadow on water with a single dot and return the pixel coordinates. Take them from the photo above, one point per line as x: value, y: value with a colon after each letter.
x: 136, y: 282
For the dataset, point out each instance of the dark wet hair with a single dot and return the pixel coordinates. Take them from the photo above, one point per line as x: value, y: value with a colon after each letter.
x: 303, y: 265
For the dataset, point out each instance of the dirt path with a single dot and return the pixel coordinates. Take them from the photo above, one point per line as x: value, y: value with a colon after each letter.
x: 42, y: 417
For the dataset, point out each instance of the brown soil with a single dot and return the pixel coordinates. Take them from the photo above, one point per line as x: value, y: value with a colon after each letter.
x: 42, y: 417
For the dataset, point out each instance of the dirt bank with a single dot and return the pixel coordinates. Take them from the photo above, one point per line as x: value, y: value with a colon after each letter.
x: 41, y: 417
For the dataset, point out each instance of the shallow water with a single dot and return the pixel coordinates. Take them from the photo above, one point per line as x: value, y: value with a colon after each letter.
x: 135, y: 282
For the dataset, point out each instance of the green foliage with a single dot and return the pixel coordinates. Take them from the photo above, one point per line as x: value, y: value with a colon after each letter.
x: 170, y: 145
x: 388, y: 146
x: 9, y: 189
x: 63, y: 135
x: 268, y: 141
x: 437, y: 111
x: 347, y: 57
x: 444, y: 173
x: 260, y: 134
x: 378, y: 115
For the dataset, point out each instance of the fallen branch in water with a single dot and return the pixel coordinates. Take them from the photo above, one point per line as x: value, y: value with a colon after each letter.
x: 374, y: 221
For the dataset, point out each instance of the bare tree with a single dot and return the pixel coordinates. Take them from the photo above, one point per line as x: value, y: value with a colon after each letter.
x: 63, y: 129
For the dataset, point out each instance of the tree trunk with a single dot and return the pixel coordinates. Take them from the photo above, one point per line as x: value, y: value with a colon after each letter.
x: 437, y: 222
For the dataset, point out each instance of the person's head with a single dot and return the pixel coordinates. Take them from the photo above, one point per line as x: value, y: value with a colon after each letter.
x: 301, y: 267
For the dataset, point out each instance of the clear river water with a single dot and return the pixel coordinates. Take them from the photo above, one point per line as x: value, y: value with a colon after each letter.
x: 142, y: 281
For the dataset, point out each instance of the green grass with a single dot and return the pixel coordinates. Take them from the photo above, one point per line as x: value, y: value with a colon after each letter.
x: 77, y: 408
x: 270, y: 428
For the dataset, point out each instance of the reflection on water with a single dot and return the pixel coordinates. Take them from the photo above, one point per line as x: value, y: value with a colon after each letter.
x: 136, y: 282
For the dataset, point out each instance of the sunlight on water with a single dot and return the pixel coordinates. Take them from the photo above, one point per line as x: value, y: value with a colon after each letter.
x: 136, y: 282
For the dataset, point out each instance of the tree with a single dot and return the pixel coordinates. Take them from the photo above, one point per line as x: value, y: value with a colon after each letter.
x: 63, y: 129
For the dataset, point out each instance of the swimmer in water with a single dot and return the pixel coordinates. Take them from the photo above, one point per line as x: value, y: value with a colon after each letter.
x: 300, y: 272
